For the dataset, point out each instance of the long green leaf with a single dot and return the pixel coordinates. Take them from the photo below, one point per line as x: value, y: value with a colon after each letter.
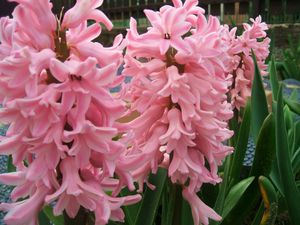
x: 265, y: 150
x: 235, y: 194
x: 151, y: 199
x: 287, y: 178
x: 259, y: 214
x: 274, y: 79
x: 259, y: 106
x: 174, y: 211
x: 241, y: 146
x: 56, y: 220
x: 186, y: 213
x: 265, y: 153
x: 219, y: 204
x: 130, y: 210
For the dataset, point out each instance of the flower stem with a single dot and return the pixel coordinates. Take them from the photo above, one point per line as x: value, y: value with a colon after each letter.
x: 178, y: 204
x: 172, y: 205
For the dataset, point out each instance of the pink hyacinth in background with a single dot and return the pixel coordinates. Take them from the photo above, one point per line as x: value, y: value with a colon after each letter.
x: 54, y: 87
x: 180, y: 78
x: 253, y: 38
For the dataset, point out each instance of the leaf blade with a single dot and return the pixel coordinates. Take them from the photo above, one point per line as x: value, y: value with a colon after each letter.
x: 259, y: 106
x: 289, y: 188
x: 235, y: 194
x: 241, y: 146
x: 265, y: 150
x: 274, y: 79
x: 56, y: 220
x: 151, y: 199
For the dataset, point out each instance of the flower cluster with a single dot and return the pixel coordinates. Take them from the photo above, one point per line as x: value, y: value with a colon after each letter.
x: 179, y: 85
x: 54, y: 84
x: 65, y: 137
x: 254, y: 38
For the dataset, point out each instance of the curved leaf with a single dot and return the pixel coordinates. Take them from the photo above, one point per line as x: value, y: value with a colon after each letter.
x: 265, y: 148
x: 151, y: 199
x: 259, y: 106
x: 241, y: 146
x: 290, y: 191
x: 234, y: 195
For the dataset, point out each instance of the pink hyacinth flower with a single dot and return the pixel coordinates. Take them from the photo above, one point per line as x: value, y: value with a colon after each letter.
x: 179, y: 90
x: 255, y: 39
x: 54, y: 88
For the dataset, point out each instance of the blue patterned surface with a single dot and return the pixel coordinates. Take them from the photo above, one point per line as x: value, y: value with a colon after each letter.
x: 248, y: 160
x: 4, y: 190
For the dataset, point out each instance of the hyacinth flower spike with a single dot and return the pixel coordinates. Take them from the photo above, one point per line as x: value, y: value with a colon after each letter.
x: 61, y: 115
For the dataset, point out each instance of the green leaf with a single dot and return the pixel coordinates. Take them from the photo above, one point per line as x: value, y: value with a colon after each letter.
x: 130, y: 210
x: 241, y: 146
x: 270, y: 200
x: 294, y: 95
x: 219, y: 204
x: 235, y: 194
x: 151, y: 199
x: 274, y: 79
x: 288, y: 118
x: 56, y: 220
x: 265, y: 150
x: 174, y: 204
x: 247, y: 203
x: 43, y: 219
x: 296, y: 141
x: 267, y: 191
x: 293, y: 105
x: 259, y: 214
x: 259, y: 106
x: 291, y: 67
x: 263, y: 162
x: 10, y: 165
x: 186, y: 213
x: 296, y: 161
x: 287, y: 178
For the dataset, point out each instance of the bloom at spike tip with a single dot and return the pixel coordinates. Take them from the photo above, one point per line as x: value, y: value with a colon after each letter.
x: 254, y: 38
